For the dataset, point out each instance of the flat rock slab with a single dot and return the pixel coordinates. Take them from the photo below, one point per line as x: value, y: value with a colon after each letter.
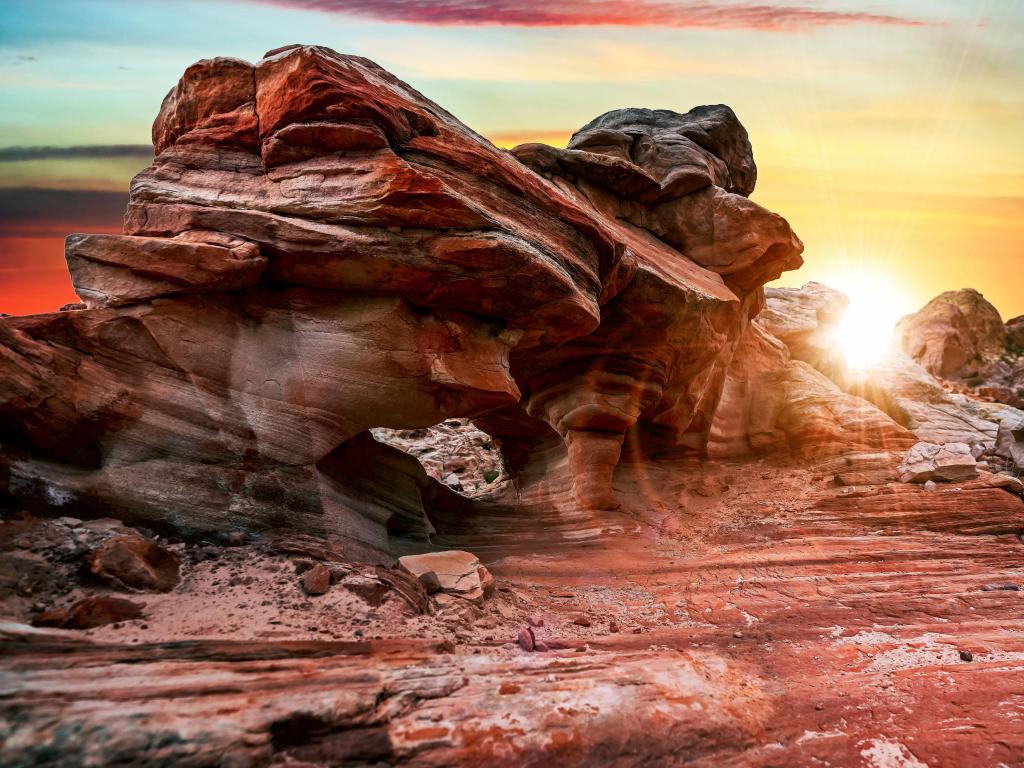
x: 948, y: 463
x: 111, y: 270
x: 455, y: 572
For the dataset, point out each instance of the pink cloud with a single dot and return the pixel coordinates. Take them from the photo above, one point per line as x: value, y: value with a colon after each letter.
x: 603, y: 13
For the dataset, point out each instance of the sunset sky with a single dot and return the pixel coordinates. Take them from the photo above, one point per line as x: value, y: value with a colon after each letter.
x: 889, y: 132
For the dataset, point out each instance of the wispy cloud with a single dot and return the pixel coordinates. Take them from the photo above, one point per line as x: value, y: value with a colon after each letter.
x: 599, y: 13
x: 82, y: 151
x: 28, y: 212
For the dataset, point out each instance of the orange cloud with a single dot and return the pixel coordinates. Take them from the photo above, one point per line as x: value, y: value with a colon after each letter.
x: 597, y: 13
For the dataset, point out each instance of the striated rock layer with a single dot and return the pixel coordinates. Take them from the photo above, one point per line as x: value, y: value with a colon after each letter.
x: 318, y: 250
x: 765, y: 617
x: 324, y: 276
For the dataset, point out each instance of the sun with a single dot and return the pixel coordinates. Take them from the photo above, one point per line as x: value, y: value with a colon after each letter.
x: 865, y: 333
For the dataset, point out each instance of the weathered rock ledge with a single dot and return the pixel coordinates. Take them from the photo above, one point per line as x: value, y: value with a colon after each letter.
x: 318, y: 250
x: 655, y: 523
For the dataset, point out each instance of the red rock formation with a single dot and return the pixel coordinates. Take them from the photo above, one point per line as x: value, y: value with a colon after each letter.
x: 954, y: 333
x: 135, y: 563
x: 806, y: 320
x: 773, y: 402
x: 1015, y: 334
x: 934, y: 410
x: 318, y: 250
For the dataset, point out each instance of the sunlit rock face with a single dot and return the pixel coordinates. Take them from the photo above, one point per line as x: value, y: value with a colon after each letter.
x: 807, y: 321
x: 920, y: 403
x: 318, y: 250
x: 954, y: 333
x: 772, y: 401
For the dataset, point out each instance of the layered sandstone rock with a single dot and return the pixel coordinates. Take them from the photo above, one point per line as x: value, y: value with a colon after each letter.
x: 320, y: 265
x: 455, y: 453
x: 952, y: 462
x: 771, y: 401
x: 318, y: 250
x: 1015, y: 334
x: 670, y: 189
x: 954, y: 333
x: 1010, y: 439
x: 806, y: 320
x: 111, y: 270
x: 780, y: 621
x: 960, y: 336
x: 921, y: 403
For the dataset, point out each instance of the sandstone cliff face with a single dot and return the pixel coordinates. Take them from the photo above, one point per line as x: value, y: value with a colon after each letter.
x: 954, y: 333
x: 959, y: 336
x: 806, y: 320
x: 787, y: 387
x: 932, y: 409
x: 318, y: 250
x: 773, y: 402
x: 1015, y: 334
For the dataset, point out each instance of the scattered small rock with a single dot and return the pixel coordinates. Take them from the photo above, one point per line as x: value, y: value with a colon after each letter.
x: 136, y: 563
x: 90, y: 612
x: 371, y: 589
x: 966, y: 656
x: 950, y: 462
x: 535, y: 621
x: 236, y: 539
x: 581, y: 621
x: 338, y: 571
x: 104, y: 525
x: 317, y: 580
x: 199, y: 554
x: 1000, y: 588
x: 737, y: 634
x: 526, y: 639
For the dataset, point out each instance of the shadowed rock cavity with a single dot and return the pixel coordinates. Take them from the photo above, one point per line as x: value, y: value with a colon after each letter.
x: 318, y: 250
